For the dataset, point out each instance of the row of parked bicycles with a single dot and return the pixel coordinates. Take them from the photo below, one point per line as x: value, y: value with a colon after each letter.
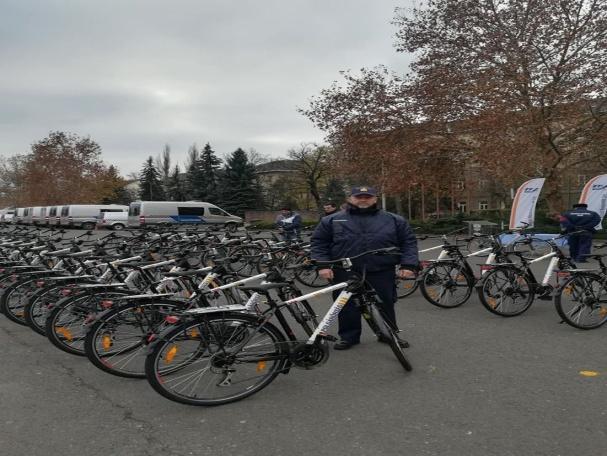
x: 210, y: 318
x: 506, y: 284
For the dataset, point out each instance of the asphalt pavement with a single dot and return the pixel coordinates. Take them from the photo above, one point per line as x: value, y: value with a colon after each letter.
x: 481, y: 385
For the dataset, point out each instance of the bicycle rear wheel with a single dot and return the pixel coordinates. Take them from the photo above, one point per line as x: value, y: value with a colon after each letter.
x: 216, y: 360
x: 582, y: 301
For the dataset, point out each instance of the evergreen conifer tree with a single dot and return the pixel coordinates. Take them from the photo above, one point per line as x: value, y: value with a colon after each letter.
x: 150, y: 183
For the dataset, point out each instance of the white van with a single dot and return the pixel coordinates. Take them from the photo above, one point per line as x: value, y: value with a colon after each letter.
x: 142, y: 213
x: 113, y: 220
x: 52, y: 215
x: 34, y: 215
x: 85, y: 216
x: 18, y: 218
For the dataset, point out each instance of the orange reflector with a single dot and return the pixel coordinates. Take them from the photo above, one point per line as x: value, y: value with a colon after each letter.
x: 261, y: 365
x: 171, y: 319
x: 492, y: 303
x: 603, y: 311
x: 194, y: 334
x: 106, y: 342
x: 65, y: 333
x: 433, y: 293
x: 170, y: 355
x: 408, y: 286
x: 19, y: 314
x: 589, y: 373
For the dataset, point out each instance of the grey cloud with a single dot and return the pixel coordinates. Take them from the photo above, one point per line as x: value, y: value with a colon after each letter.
x: 140, y: 73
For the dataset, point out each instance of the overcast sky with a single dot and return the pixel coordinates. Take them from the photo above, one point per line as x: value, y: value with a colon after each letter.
x: 136, y: 74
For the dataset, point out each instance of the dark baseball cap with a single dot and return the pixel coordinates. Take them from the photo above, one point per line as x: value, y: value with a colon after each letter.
x: 358, y: 191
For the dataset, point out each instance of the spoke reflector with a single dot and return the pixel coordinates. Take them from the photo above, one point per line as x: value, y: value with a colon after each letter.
x: 106, y: 342
x: 261, y: 365
x: 64, y: 332
x: 170, y: 355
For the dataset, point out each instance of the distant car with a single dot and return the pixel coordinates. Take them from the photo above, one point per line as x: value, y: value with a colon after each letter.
x: 113, y: 220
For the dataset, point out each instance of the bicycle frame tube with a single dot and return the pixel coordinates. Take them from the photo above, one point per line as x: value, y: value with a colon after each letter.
x: 480, y: 252
x: 551, y: 267
x: 239, y: 282
x: 331, y: 315
x: 543, y: 257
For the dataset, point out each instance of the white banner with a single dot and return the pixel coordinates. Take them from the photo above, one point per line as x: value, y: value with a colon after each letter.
x: 595, y: 196
x: 525, y: 200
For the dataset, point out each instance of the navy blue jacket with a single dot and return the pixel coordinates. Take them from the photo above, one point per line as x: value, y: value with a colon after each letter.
x: 345, y: 234
x: 289, y: 223
x: 580, y: 219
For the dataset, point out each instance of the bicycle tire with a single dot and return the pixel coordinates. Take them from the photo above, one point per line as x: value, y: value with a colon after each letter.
x: 448, y: 276
x: 38, y: 306
x: 406, y: 287
x: 512, y: 283
x: 532, y: 248
x: 165, y: 383
x: 386, y: 330
x: 582, y: 290
x: 66, y: 324
x: 308, y: 275
x: 104, y: 345
x: 479, y: 243
x: 14, y: 299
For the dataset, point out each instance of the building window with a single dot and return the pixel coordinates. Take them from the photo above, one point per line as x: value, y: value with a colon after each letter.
x: 460, y: 185
x: 461, y: 206
x: 483, y: 183
x: 581, y: 179
x: 483, y: 205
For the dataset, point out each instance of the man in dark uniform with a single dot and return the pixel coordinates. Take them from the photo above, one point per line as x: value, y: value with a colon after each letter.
x: 580, y: 218
x: 360, y: 227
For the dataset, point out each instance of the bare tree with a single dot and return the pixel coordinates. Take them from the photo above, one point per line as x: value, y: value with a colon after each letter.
x: 312, y: 167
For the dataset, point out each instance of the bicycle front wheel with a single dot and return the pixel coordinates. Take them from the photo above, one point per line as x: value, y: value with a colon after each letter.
x: 446, y: 284
x: 506, y: 292
x: 379, y: 324
x: 582, y: 301
x: 216, y: 360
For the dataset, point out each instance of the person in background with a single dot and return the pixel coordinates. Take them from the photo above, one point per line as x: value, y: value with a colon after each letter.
x: 576, y: 219
x: 329, y: 208
x: 362, y: 226
x: 289, y: 224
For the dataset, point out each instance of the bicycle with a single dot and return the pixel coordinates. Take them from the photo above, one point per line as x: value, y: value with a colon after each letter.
x: 581, y: 297
x: 214, y: 356
x: 509, y: 289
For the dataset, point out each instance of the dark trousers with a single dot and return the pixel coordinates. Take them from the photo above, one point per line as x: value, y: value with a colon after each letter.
x: 384, y: 283
x: 580, y: 244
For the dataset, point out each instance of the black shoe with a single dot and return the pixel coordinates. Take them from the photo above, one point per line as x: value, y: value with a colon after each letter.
x: 343, y: 345
x: 385, y: 340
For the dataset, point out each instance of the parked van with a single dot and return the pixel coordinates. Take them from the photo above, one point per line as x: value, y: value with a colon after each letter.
x: 52, y: 215
x: 18, y: 218
x: 86, y: 215
x: 39, y: 215
x: 113, y: 220
x: 142, y: 213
